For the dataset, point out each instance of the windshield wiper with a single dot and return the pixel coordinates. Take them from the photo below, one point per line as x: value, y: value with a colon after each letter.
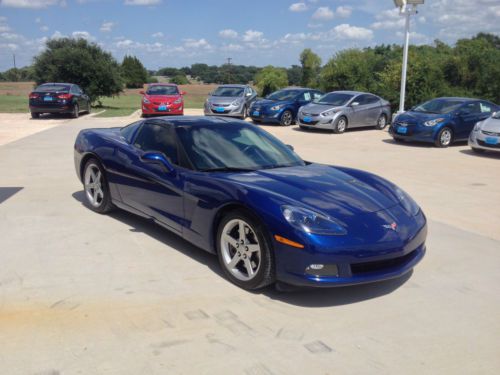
x: 227, y: 169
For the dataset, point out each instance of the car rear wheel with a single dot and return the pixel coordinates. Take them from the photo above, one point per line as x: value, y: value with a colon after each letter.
x: 35, y: 115
x: 444, y: 138
x: 96, y: 187
x: 244, y: 251
x: 76, y: 111
x: 286, y: 118
x: 340, y: 126
x: 381, y: 122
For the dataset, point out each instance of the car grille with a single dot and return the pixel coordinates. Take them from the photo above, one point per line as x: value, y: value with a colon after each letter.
x: 484, y: 144
x: 381, y: 265
x: 220, y: 105
x: 490, y: 133
x: 310, y: 114
x: 309, y: 123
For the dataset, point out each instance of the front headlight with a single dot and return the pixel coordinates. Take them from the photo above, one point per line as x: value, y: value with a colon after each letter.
x: 328, y: 113
x: 276, y: 107
x: 178, y: 101
x: 311, y: 222
x: 477, y: 127
x: 146, y: 101
x: 407, y: 202
x: 433, y: 122
x: 236, y: 103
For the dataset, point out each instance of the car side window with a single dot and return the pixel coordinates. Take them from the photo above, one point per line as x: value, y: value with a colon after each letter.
x: 371, y: 99
x: 157, y: 137
x: 306, y: 96
x: 485, y: 107
x: 472, y: 108
x: 128, y: 131
x: 360, y: 99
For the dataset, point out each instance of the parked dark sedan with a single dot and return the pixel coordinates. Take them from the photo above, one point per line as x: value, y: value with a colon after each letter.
x: 441, y: 121
x: 58, y: 98
x: 234, y: 190
x: 282, y: 106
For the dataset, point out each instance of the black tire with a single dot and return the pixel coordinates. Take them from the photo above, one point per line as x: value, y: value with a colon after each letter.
x: 381, y: 122
x: 103, y: 205
x: 478, y: 150
x: 265, y: 273
x: 286, y: 118
x: 256, y: 121
x: 144, y: 115
x: 76, y: 111
x: 341, y: 125
x: 35, y: 115
x: 444, y: 138
x: 245, y: 113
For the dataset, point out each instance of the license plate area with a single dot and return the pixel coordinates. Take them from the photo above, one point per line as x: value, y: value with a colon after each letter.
x: 402, y: 130
x: 491, y: 140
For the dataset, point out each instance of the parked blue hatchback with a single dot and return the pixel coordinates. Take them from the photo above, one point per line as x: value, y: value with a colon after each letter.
x: 441, y: 121
x: 236, y: 191
x: 282, y: 106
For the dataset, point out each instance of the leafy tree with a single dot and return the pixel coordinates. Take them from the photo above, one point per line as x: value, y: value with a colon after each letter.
x: 179, y: 79
x: 294, y: 75
x: 133, y: 72
x: 80, y: 62
x: 311, y: 65
x: 24, y: 74
x: 270, y: 79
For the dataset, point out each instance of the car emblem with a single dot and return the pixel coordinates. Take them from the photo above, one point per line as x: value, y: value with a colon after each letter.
x: 403, y: 124
x: 392, y: 226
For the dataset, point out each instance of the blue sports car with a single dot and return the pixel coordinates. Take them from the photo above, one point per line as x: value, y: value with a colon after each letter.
x: 282, y: 106
x: 234, y: 190
x: 441, y: 121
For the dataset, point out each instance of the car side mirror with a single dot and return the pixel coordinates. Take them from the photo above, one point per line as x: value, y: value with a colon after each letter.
x: 157, y: 158
x: 354, y: 104
x: 142, y: 92
x: 290, y: 147
x: 248, y: 94
x: 494, y: 114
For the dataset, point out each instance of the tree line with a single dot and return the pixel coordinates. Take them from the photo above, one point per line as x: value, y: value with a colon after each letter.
x: 468, y: 68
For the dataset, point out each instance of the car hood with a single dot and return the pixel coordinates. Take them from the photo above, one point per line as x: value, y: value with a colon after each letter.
x: 223, y: 99
x: 316, y: 109
x: 321, y: 187
x: 416, y: 117
x: 491, y: 125
x: 270, y: 103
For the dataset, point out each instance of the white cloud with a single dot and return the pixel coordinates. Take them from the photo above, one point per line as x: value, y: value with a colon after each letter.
x: 253, y: 36
x: 346, y: 31
x: 197, y: 44
x: 323, y: 13
x: 106, y: 27
x: 228, y: 34
x: 159, y: 34
x: 57, y: 35
x: 142, y: 2
x: 82, y: 35
x: 34, y: 4
x: 298, y: 7
x: 343, y: 11
x: 232, y: 47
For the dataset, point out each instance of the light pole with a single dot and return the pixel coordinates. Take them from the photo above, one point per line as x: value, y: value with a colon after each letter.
x: 407, y: 8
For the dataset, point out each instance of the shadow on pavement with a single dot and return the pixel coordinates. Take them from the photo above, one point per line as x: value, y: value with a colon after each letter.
x: 486, y: 154
x: 307, y: 297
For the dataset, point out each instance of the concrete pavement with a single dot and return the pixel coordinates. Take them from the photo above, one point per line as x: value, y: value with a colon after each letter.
x: 82, y: 293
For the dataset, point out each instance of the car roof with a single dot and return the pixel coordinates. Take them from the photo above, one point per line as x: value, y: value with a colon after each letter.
x: 235, y: 85
x: 348, y: 92
x: 458, y: 98
x: 162, y: 84
x: 56, y: 83
x: 198, y: 121
x: 298, y: 89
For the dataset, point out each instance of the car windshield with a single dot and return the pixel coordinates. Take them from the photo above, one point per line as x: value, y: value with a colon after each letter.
x: 228, y: 91
x: 162, y: 90
x: 439, y: 106
x: 335, y: 99
x: 53, y: 88
x: 234, y: 147
x: 284, y: 95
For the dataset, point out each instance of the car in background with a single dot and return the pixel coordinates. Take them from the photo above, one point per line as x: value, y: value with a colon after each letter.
x: 230, y: 100
x: 486, y: 135
x: 66, y: 98
x: 162, y: 99
x: 339, y: 110
x: 234, y: 190
x: 282, y: 106
x: 441, y: 121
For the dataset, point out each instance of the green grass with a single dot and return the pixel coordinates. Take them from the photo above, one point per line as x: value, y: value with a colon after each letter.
x: 14, y: 104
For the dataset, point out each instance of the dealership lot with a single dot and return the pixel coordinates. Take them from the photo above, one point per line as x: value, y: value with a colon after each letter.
x: 85, y: 293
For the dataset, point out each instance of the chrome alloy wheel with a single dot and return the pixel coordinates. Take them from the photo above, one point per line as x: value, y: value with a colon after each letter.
x: 445, y: 137
x: 341, y: 126
x: 240, y: 250
x: 93, y: 183
x: 287, y: 118
x: 382, y: 122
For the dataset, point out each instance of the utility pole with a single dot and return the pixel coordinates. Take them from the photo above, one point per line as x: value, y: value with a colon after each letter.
x: 229, y: 59
x: 14, y: 58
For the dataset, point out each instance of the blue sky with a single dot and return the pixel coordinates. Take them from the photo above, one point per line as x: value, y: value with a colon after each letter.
x: 258, y: 32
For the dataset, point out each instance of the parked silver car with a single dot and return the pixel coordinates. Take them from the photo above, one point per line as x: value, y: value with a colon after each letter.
x: 486, y: 135
x: 230, y: 100
x: 340, y: 110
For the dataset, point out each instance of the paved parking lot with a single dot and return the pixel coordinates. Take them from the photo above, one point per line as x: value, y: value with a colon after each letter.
x: 82, y: 293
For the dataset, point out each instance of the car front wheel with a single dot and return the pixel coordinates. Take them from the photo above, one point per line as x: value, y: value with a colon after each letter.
x: 340, y: 126
x: 244, y: 252
x: 444, y: 138
x: 381, y: 122
x: 96, y: 187
x: 286, y: 118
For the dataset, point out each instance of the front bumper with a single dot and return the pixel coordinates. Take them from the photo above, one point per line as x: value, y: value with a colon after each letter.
x: 316, y: 122
x: 226, y: 110
x: 478, y: 140
x: 172, y: 109
x: 266, y: 115
x: 418, y: 133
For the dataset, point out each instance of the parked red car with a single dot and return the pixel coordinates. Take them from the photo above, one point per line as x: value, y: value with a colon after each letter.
x: 162, y: 99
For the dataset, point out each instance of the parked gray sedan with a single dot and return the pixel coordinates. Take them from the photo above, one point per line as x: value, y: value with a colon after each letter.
x: 340, y: 110
x: 230, y: 100
x: 486, y: 135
